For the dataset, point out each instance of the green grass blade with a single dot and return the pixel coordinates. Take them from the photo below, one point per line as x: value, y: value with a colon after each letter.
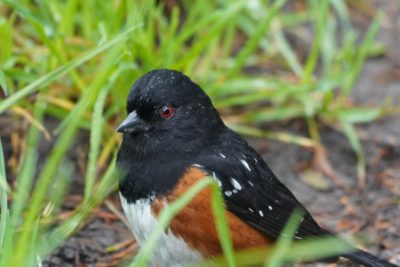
x: 6, y: 37
x: 254, y: 40
x: 28, y: 166
x: 342, y: 10
x: 274, y: 135
x: 57, y: 73
x: 305, y: 250
x: 67, y: 21
x: 3, y: 82
x: 363, y: 52
x: 320, y: 10
x: 56, y: 156
x: 4, y: 217
x: 54, y: 238
x: 317, y: 248
x: 221, y: 223
x: 273, y: 114
x: 20, y: 198
x: 288, y: 53
x: 95, y: 140
x: 3, y: 181
x: 355, y: 143
x: 105, y: 70
x: 285, y: 240
x: 30, y: 254
x: 329, y: 46
x: 53, y: 45
x: 357, y: 114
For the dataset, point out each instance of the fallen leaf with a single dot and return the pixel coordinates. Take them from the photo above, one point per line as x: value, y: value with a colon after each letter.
x: 315, y: 179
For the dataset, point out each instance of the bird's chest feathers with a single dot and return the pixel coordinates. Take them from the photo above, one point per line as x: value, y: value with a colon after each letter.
x: 170, y: 249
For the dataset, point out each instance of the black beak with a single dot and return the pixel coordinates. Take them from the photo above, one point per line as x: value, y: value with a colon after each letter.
x: 133, y: 124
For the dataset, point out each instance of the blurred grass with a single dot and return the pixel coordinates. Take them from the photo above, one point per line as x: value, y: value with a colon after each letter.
x: 76, y: 61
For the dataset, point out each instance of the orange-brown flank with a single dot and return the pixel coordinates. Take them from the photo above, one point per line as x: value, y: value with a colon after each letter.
x: 195, y: 223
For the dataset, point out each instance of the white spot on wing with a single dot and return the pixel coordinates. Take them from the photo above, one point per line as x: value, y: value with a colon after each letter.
x: 261, y: 213
x: 228, y: 193
x: 222, y: 155
x: 217, y: 180
x: 270, y: 207
x: 198, y: 166
x: 250, y: 183
x: 245, y: 164
x: 236, y: 184
x: 251, y: 210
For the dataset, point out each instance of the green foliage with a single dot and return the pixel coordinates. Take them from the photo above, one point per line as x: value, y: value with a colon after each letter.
x: 76, y: 60
x: 4, y: 216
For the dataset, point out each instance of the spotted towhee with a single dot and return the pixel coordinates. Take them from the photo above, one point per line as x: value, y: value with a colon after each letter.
x: 173, y: 137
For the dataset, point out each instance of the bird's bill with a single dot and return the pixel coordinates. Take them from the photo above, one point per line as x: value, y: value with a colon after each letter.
x: 132, y: 124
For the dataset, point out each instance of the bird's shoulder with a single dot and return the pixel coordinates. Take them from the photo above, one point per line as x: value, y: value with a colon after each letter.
x: 251, y: 190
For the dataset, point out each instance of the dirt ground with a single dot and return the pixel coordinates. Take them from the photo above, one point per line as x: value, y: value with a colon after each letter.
x: 369, y: 216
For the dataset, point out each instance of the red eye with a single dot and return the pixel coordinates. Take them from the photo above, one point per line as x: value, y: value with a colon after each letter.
x: 167, y: 111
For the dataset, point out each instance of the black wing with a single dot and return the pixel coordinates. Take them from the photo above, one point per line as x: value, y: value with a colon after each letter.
x: 251, y: 191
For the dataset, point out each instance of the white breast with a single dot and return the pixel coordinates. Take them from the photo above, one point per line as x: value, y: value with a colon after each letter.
x: 170, y: 250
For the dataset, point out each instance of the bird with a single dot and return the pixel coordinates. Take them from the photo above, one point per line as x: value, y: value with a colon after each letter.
x: 173, y: 137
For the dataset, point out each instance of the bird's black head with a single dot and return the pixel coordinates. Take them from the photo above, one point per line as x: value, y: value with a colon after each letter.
x: 170, y: 120
x: 167, y: 107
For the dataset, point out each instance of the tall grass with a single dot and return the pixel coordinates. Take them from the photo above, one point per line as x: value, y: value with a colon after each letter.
x: 75, y: 61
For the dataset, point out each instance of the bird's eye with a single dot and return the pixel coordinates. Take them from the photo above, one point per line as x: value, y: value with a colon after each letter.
x: 167, y: 111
